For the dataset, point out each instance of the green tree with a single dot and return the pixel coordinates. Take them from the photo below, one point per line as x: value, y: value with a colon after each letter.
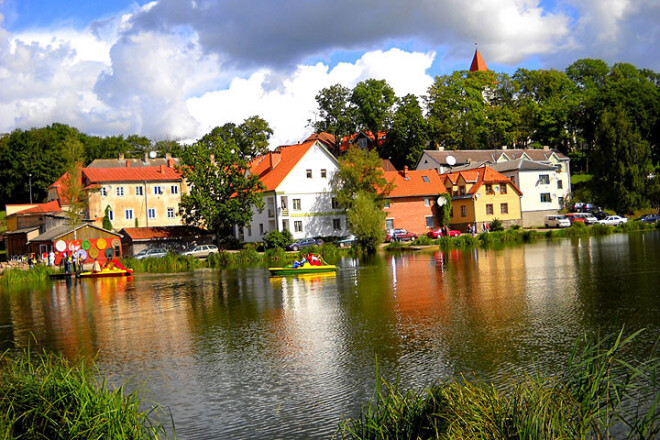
x: 621, y: 164
x: 408, y: 135
x: 360, y: 188
x: 75, y: 195
x: 336, y: 114
x: 278, y: 239
x: 107, y: 223
x: 221, y: 190
x: 443, y: 210
x: 373, y: 100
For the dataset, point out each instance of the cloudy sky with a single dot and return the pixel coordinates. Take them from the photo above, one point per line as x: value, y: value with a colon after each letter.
x: 174, y: 69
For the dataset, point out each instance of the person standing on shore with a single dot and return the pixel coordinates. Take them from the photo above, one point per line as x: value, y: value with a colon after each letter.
x: 51, y: 258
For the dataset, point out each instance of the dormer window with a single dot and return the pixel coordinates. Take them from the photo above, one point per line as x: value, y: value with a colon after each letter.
x: 362, y: 143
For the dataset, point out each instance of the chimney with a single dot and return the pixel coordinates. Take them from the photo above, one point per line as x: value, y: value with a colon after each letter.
x: 170, y: 162
x: 441, y: 148
x: 274, y: 158
x: 168, y: 155
x: 128, y: 163
x: 546, y: 148
x: 162, y: 169
x: 405, y: 172
x: 145, y: 157
x: 120, y: 156
x: 504, y: 147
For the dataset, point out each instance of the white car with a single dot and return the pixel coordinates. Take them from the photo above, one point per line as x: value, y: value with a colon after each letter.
x: 202, y: 251
x: 557, y: 221
x: 151, y: 253
x: 613, y: 220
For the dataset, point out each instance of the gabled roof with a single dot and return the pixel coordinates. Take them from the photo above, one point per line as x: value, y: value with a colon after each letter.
x: 480, y: 176
x: 164, y: 232
x: 149, y: 174
x: 347, y: 141
x: 62, y: 230
x: 327, y: 139
x: 272, y: 168
x: 521, y: 165
x: 411, y: 183
x: 470, y: 156
x: 133, y: 163
x: 478, y: 63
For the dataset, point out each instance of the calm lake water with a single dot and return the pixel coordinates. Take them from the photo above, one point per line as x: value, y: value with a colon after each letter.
x: 237, y: 354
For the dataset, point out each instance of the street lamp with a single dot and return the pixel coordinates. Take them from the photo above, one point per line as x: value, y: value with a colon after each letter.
x: 30, y: 175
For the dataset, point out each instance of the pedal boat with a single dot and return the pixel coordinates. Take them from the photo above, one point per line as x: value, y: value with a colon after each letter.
x: 117, y: 270
x: 304, y: 269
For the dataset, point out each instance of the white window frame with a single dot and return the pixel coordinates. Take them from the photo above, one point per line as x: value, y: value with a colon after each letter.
x: 128, y: 214
x: 549, y: 197
x: 158, y: 190
x: 389, y: 223
x: 119, y: 191
x: 174, y: 189
x: 544, y: 179
x: 429, y: 221
x: 171, y: 213
x: 297, y: 226
x: 427, y: 202
x: 299, y: 205
x: 139, y: 190
x: 104, y: 191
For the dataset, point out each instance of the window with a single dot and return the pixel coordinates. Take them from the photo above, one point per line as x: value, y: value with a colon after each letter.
x: 387, y: 204
x: 461, y: 190
x: 139, y: 191
x: 104, y: 192
x: 336, y: 224
x: 489, y: 209
x: 170, y: 212
x: 426, y: 179
x: 429, y: 221
x: 544, y: 179
x: 324, y: 174
x: 297, y: 226
x: 362, y: 143
x: 560, y: 200
x: 174, y: 189
x: 451, y: 213
x: 158, y: 190
x: 296, y: 204
x: 463, y: 211
x: 504, y: 208
x: 151, y: 213
x: 503, y: 189
x: 249, y: 231
x: 560, y: 184
x: 427, y: 202
x: 335, y: 205
x: 120, y: 191
x: 261, y: 229
x: 111, y: 215
x: 128, y: 214
x: 545, y: 198
x: 489, y: 189
x: 389, y: 223
x: 309, y: 174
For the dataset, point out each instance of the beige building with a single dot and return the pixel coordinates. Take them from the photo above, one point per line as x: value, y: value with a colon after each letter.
x: 136, y: 195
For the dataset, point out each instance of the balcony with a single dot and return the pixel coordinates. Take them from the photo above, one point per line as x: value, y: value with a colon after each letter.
x: 285, y: 212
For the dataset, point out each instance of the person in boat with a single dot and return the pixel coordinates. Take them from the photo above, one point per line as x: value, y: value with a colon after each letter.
x: 297, y: 264
x: 314, y: 259
x: 96, y: 267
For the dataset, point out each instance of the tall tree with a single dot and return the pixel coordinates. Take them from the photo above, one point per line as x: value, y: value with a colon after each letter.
x: 621, y: 164
x: 408, y: 135
x: 360, y: 187
x: 373, y: 100
x: 335, y: 112
x: 221, y: 190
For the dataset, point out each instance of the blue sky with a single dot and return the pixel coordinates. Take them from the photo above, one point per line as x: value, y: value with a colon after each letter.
x: 174, y: 69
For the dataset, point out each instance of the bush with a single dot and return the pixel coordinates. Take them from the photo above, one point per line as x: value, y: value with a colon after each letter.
x: 46, y: 397
x: 276, y: 239
x: 423, y: 240
x: 496, y: 225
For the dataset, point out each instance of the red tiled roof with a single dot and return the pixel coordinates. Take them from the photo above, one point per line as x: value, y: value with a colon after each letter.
x: 284, y: 159
x: 481, y: 175
x: 327, y: 139
x: 478, y: 63
x: 413, y: 183
x: 163, y: 232
x: 151, y: 174
x: 348, y: 140
x: 42, y: 208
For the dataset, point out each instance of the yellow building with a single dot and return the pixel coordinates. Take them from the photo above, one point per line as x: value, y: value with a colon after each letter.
x: 481, y: 195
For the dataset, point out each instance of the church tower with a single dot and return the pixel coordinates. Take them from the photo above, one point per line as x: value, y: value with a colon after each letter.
x: 478, y: 63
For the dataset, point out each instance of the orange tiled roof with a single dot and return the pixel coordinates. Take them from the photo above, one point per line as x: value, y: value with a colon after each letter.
x: 478, y: 63
x: 163, y: 232
x: 327, y: 139
x: 284, y: 158
x: 480, y: 176
x: 150, y: 174
x: 42, y: 208
x: 348, y: 140
x: 412, y: 183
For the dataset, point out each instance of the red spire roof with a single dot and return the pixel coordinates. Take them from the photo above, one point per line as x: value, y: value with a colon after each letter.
x: 478, y: 63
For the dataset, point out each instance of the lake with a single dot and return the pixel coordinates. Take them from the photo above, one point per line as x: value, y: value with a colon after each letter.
x: 237, y: 354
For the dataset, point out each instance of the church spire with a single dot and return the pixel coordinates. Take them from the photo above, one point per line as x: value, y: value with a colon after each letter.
x: 478, y: 63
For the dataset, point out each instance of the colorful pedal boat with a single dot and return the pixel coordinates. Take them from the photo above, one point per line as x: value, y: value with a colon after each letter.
x: 304, y: 269
x: 116, y: 270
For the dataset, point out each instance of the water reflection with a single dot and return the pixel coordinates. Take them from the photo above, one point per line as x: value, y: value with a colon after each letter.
x: 237, y: 354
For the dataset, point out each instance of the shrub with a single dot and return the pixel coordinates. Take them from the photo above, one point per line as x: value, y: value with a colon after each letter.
x: 276, y: 239
x: 496, y: 225
x: 423, y: 240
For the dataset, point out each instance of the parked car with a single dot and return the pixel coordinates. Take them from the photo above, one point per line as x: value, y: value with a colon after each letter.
x: 201, y: 251
x: 584, y: 207
x: 399, y: 234
x: 588, y: 217
x: 613, y: 220
x: 575, y: 217
x: 151, y: 253
x: 557, y: 221
x: 599, y: 214
x: 437, y: 233
x: 347, y: 241
x: 302, y: 243
x: 649, y: 218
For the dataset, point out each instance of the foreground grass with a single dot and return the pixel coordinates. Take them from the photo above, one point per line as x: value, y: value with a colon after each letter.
x: 597, y: 396
x: 45, y: 397
x: 17, y: 277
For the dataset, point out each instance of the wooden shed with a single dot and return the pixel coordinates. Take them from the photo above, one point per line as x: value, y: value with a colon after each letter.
x: 92, y: 242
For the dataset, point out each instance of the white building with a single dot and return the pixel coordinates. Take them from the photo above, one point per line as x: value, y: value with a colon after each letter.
x: 544, y: 188
x: 298, y: 196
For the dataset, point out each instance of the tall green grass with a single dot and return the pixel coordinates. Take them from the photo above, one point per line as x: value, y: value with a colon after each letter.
x: 598, y: 395
x: 16, y: 276
x: 46, y: 397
